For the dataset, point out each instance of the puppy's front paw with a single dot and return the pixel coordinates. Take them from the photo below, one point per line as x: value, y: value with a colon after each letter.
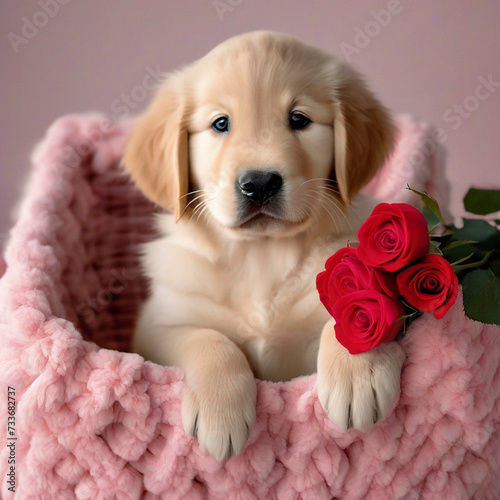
x: 358, y: 390
x: 220, y: 414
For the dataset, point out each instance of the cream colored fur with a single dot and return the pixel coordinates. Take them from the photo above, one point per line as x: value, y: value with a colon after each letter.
x: 230, y: 300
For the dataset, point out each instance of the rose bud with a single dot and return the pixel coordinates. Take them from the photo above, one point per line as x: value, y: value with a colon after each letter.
x: 392, y: 237
x: 430, y: 285
x: 366, y: 319
x: 345, y: 273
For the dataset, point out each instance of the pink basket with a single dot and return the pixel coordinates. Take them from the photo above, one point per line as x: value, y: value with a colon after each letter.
x: 93, y: 421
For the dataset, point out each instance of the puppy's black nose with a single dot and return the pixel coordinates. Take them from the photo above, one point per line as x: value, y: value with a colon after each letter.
x: 259, y: 186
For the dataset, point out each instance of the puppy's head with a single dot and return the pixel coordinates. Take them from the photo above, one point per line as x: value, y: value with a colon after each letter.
x: 259, y: 135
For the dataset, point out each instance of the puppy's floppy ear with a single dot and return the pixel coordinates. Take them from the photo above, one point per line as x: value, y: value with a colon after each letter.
x: 363, y: 131
x: 156, y: 155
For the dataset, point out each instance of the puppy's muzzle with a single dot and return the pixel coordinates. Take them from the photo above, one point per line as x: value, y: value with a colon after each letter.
x: 258, y: 186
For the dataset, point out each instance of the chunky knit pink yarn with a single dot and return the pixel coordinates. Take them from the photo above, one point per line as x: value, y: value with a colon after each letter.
x: 96, y: 422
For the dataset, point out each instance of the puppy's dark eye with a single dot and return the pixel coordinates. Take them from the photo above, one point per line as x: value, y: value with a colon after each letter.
x: 298, y: 121
x: 221, y: 124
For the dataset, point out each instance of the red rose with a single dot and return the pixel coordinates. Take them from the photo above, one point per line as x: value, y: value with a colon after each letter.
x: 365, y: 319
x: 392, y: 237
x: 429, y: 285
x: 346, y: 273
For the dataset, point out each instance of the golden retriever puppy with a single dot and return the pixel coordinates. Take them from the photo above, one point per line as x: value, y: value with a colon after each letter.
x: 259, y: 149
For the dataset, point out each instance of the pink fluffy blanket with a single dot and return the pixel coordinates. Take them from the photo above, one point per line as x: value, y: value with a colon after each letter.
x: 95, y: 422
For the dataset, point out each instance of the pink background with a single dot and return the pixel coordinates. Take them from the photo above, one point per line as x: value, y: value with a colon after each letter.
x: 426, y: 58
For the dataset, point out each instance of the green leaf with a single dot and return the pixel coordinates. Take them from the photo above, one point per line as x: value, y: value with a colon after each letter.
x: 457, y: 269
x: 481, y: 291
x: 456, y: 244
x: 463, y: 259
x: 495, y: 267
x: 482, y: 201
x: 431, y: 203
x: 485, y: 235
x: 434, y: 247
x: 431, y: 219
x: 461, y: 251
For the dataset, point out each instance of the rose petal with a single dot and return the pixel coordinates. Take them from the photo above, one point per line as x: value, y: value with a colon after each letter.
x: 393, y: 236
x: 365, y: 319
x: 414, y: 285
